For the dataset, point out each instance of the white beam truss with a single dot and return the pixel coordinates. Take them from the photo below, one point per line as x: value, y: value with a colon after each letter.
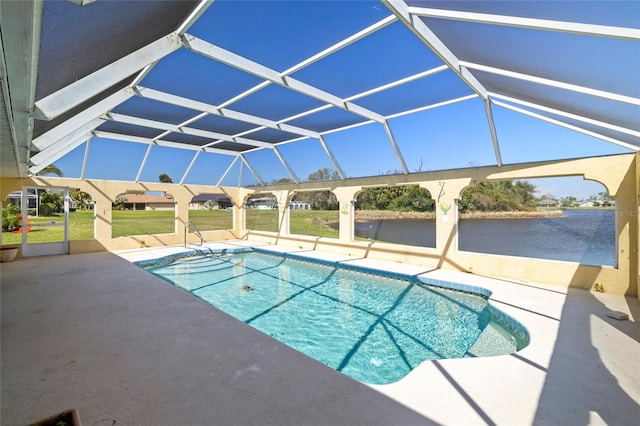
x: 226, y: 172
x: 397, y: 83
x: 567, y: 126
x: 193, y: 17
x: 253, y: 171
x: 565, y: 114
x: 286, y: 165
x: 79, y: 91
x: 86, y: 157
x: 432, y: 106
x: 554, y: 83
x: 220, y: 111
x: 50, y: 153
x: 143, y: 162
x: 492, y: 131
x: 429, y: 38
x: 222, y: 55
x: 396, y: 149
x: 43, y: 159
x: 147, y: 141
x: 318, y: 56
x: 190, y: 166
x: 333, y: 160
x: 172, y: 128
x: 623, y: 33
x: 62, y: 130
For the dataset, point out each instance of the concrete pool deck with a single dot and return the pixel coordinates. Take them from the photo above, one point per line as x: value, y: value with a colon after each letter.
x: 96, y: 333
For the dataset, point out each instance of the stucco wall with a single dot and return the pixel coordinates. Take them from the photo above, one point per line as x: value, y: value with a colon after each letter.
x: 619, y: 174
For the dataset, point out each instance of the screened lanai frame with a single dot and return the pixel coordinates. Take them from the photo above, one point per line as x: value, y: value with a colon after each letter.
x: 273, y: 101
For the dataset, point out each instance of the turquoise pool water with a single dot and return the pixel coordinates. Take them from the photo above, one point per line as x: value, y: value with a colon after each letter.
x: 371, y: 327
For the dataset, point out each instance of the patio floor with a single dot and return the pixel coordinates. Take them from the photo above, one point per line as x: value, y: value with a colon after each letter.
x: 96, y: 333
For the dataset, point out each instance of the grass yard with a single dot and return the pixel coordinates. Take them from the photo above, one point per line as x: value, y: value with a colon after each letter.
x: 314, y: 222
x: 211, y: 220
x: 142, y: 222
x: 303, y: 222
x: 80, y: 227
x: 128, y: 222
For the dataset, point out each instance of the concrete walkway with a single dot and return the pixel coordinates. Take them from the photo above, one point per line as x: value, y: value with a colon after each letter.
x: 95, y: 332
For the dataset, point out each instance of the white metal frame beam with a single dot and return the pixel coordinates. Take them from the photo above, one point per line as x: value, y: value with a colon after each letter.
x: 49, y: 154
x: 81, y: 90
x: 253, y: 171
x: 172, y: 128
x: 286, y: 165
x: 318, y: 56
x: 429, y: 38
x: 332, y: 158
x: 553, y: 83
x: 229, y: 58
x: 623, y: 33
x: 396, y: 149
x: 221, y: 112
x: 147, y: 141
x: 63, y: 129
x: 565, y: 114
x: 566, y: 125
x: 193, y: 17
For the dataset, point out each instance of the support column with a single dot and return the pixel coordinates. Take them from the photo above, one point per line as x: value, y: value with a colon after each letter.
x: 283, y: 197
x: 182, y: 199
x: 346, y: 197
x: 238, y: 197
x: 103, y: 217
x: 445, y: 195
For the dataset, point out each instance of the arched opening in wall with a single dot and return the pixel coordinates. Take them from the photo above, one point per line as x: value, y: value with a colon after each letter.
x: 211, y: 212
x: 143, y: 213
x: 315, y: 213
x: 396, y: 214
x: 261, y: 212
x: 81, y: 215
x: 564, y: 218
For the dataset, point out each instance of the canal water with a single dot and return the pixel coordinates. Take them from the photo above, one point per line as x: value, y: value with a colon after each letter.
x: 585, y: 236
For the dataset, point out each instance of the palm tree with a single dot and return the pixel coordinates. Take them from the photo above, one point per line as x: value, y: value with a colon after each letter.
x: 51, y: 169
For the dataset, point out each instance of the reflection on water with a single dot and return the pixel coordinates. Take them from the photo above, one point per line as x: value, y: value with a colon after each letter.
x: 412, y: 232
x: 585, y: 236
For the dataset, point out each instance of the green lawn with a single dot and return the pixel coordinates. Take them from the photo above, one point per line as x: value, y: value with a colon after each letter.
x: 314, y: 222
x: 142, y: 222
x: 128, y: 222
x: 80, y: 227
x: 211, y: 220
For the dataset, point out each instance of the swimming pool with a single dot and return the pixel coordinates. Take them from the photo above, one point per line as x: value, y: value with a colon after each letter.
x: 371, y: 326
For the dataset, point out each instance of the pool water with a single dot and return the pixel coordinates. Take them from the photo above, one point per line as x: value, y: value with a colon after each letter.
x: 371, y: 327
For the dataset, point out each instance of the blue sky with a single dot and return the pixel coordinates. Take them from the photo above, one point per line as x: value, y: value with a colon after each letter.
x: 447, y: 137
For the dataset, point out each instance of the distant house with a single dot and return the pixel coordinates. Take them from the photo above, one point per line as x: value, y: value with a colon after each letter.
x: 210, y: 202
x: 33, y: 201
x: 148, y: 202
x: 587, y: 203
x: 299, y: 205
x: 263, y: 203
x: 548, y: 203
x: 15, y: 198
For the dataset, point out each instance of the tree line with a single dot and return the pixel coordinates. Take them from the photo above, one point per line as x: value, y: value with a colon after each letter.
x: 508, y: 195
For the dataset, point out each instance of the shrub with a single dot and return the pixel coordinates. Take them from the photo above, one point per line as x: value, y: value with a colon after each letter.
x: 11, y: 218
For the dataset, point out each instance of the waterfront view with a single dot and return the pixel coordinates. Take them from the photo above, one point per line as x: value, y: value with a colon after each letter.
x: 584, y: 236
